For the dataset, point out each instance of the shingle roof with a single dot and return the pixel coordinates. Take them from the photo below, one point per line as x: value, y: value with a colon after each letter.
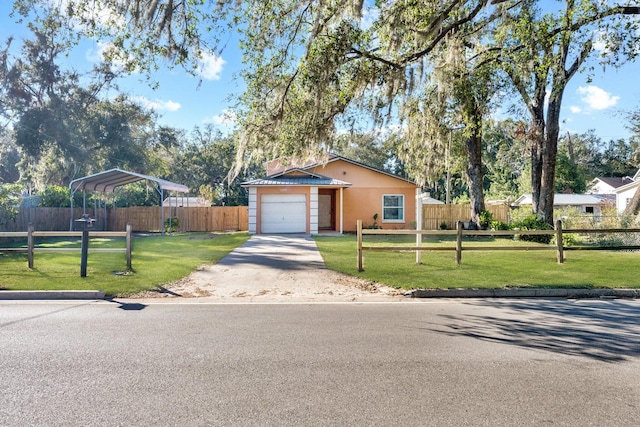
x: 297, y: 180
x: 616, y: 182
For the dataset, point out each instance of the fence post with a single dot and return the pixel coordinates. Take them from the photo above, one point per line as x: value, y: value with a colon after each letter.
x: 128, y: 246
x: 559, y: 242
x: 459, y: 243
x: 359, y: 239
x: 419, y: 209
x: 30, y: 245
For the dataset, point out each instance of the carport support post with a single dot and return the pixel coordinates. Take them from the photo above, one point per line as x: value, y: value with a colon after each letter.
x: 359, y: 238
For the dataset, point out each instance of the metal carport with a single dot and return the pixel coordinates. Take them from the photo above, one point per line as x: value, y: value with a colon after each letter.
x: 108, y: 181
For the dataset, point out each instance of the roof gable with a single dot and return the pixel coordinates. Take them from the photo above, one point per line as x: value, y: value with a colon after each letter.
x: 337, y: 158
x: 278, y: 172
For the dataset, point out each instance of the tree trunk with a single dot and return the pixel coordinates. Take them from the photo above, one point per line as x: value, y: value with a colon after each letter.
x: 474, y: 169
x: 549, y: 155
x: 537, y: 148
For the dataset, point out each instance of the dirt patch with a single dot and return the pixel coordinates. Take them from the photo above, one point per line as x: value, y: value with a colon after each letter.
x: 217, y: 283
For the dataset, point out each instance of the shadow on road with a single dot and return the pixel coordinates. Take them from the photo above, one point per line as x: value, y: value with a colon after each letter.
x: 602, y: 330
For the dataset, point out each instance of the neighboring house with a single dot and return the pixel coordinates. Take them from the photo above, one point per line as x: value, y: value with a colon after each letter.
x: 192, y: 202
x: 428, y: 200
x: 585, y: 203
x: 624, y: 194
x: 329, y: 196
x: 604, y: 185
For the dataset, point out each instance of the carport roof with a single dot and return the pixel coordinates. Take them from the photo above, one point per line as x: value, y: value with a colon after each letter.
x: 107, y: 181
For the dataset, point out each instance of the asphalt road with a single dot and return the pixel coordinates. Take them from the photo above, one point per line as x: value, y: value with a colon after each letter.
x: 426, y: 363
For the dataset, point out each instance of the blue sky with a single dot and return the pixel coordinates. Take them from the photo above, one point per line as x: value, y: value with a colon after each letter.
x: 184, y: 101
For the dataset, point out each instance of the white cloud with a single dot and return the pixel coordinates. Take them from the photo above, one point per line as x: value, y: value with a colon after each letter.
x: 226, y: 118
x: 100, y: 52
x: 106, y: 51
x: 102, y: 13
x: 596, y: 98
x: 157, y: 104
x: 575, y: 109
x: 210, y: 66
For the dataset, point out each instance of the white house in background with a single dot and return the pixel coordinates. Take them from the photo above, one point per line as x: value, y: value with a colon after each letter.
x: 624, y: 195
x: 428, y: 200
x: 608, y: 185
x: 585, y: 203
x: 192, y: 202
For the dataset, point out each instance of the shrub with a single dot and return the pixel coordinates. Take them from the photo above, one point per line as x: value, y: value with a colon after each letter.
x: 486, y: 218
x: 533, y: 222
x: 498, y: 225
x: 171, y: 224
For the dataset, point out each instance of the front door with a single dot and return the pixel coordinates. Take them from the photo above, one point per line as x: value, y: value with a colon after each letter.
x: 325, y: 211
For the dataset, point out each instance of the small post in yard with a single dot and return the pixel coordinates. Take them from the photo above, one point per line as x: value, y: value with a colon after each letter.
x: 359, y: 239
x: 85, y: 223
x: 559, y: 242
x: 418, y: 225
x: 459, y: 243
x: 128, y: 246
x: 30, y: 245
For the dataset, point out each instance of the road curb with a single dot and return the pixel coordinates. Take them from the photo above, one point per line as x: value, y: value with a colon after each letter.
x: 524, y: 293
x: 50, y: 295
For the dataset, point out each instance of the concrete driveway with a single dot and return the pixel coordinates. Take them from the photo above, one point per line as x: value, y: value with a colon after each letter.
x: 273, y: 268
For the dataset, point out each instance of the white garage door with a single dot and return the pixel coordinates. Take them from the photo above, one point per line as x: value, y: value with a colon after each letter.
x: 283, y: 213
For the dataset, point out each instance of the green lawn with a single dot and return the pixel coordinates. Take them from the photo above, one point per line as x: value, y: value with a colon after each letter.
x: 480, y: 269
x: 156, y: 261
x: 161, y: 260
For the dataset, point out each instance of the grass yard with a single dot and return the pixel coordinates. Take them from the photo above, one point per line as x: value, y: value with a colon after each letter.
x: 156, y: 261
x: 480, y: 269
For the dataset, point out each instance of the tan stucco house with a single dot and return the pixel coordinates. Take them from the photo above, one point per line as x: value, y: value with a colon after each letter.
x: 330, y: 195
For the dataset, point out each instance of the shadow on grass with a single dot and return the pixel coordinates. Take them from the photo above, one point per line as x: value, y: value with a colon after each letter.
x: 602, y: 330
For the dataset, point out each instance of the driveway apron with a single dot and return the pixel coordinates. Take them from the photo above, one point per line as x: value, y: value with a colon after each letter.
x: 271, y: 268
x: 276, y: 251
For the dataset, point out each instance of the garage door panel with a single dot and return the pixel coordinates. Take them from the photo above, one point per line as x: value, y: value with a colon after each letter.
x: 283, y: 213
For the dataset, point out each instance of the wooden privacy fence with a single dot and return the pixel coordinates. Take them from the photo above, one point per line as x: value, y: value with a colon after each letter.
x: 31, y: 248
x: 141, y: 218
x: 433, y: 216
x: 460, y: 232
x: 214, y: 218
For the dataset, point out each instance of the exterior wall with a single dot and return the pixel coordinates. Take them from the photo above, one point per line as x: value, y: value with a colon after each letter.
x: 253, y: 211
x: 312, y: 203
x: 623, y: 198
x: 599, y: 187
x: 282, y: 190
x: 364, y: 198
x: 582, y: 209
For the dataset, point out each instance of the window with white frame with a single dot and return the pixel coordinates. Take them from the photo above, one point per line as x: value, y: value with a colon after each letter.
x: 393, y: 207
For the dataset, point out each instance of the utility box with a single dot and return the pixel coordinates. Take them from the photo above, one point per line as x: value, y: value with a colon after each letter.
x: 85, y: 223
